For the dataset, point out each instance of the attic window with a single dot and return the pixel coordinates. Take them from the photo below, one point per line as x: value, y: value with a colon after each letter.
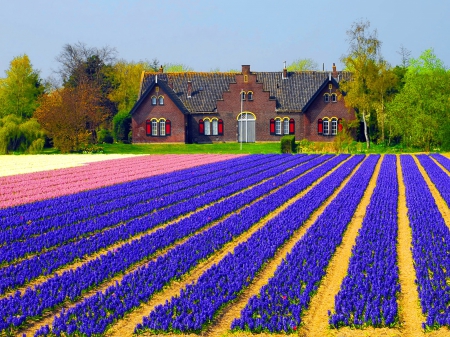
x: 153, y: 100
x: 250, y: 95
x: 161, y: 100
x: 326, y: 98
x: 246, y: 78
x: 333, y: 97
x: 243, y: 95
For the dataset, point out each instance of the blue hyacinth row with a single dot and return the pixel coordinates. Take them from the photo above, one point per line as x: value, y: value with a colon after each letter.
x: 280, y: 303
x: 71, y: 284
x: 439, y: 178
x: 141, y: 284
x: 368, y: 294
x: 444, y: 161
x: 430, y: 246
x: 197, y: 304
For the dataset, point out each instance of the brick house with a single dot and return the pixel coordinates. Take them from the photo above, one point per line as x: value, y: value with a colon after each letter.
x: 204, y: 107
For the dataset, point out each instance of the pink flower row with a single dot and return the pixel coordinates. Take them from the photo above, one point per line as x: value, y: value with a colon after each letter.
x: 24, y: 188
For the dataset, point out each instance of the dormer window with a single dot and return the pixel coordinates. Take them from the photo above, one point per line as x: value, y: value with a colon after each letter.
x: 153, y: 100
x: 250, y: 96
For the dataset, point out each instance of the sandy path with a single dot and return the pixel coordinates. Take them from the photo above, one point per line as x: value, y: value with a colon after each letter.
x: 126, y: 326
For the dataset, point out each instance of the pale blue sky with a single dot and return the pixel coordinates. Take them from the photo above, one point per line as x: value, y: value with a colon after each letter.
x: 218, y: 34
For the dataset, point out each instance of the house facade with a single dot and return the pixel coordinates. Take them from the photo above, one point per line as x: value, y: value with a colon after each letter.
x: 201, y: 107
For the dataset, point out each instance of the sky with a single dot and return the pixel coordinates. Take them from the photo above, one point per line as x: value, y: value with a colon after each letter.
x: 209, y: 35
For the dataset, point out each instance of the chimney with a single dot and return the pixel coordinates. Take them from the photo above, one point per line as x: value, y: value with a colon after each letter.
x: 189, y: 89
x: 245, y: 69
x: 161, y: 69
x: 284, y: 71
x: 335, y: 74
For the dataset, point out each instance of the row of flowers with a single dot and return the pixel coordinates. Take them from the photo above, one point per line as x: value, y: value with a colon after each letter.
x: 197, y: 304
x: 430, y: 246
x: 20, y: 189
x: 48, y: 262
x: 279, y: 305
x: 439, y: 178
x: 140, y: 285
x: 71, y: 284
x: 368, y: 294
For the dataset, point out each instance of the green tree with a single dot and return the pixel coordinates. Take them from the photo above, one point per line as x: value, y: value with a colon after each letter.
x: 121, y: 125
x: 20, y: 90
x: 362, y: 61
x: 176, y: 68
x: 420, y: 112
x: 302, y: 65
x: 18, y: 134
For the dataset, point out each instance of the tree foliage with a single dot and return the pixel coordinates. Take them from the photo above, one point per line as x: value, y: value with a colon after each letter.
x: 302, y: 65
x: 121, y: 126
x: 20, y: 90
x: 68, y: 115
x: 18, y: 134
x: 420, y: 112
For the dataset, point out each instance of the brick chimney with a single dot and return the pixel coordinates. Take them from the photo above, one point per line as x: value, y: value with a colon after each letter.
x: 161, y: 69
x: 284, y: 71
x: 189, y: 89
x: 245, y: 70
x: 335, y: 74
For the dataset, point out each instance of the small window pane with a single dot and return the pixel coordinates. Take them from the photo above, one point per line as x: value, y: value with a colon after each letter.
x: 326, y: 128
x: 162, y: 128
x: 334, y: 127
x: 215, y: 127
x: 154, y: 127
x: 207, y: 128
x: 278, y: 127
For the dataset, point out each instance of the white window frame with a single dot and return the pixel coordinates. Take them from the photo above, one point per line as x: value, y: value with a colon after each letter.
x: 153, y: 100
x: 326, y: 98
x: 154, y: 127
x: 162, y: 127
x: 334, y: 98
x: 334, y: 127
x: 161, y: 100
x: 286, y: 126
x: 250, y: 95
x: 278, y: 126
x: 215, y: 127
x: 326, y: 127
x: 207, y: 127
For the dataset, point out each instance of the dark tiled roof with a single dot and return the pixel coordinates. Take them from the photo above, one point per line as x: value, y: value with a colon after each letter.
x: 207, y: 88
x: 293, y: 94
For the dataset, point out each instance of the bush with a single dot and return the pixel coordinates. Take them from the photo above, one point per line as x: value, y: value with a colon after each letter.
x: 288, y: 144
x: 121, y: 126
x: 104, y: 136
x: 19, y: 135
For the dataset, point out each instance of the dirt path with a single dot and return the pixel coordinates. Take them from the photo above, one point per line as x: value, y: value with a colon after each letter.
x: 125, y: 326
x: 315, y: 320
x: 440, y: 202
x: 233, y: 311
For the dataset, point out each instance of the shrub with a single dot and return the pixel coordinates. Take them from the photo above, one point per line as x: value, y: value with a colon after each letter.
x: 121, y: 126
x: 288, y: 144
x: 19, y: 135
x: 104, y: 136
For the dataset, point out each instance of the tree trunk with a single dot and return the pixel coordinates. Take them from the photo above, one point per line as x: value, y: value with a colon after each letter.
x: 365, y: 130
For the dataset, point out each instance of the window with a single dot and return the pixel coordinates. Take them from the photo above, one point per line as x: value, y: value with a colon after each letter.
x: 320, y: 126
x: 162, y: 127
x: 334, y: 127
x: 292, y: 126
x: 326, y: 98
x: 215, y: 127
x: 207, y: 127
x: 153, y: 100
x: 161, y: 100
x: 286, y: 126
x: 326, y: 127
x: 154, y: 127
x: 278, y: 126
x: 333, y: 97
x: 243, y: 95
x: 250, y: 95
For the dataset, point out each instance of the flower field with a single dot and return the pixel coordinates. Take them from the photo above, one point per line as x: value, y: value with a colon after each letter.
x: 226, y: 245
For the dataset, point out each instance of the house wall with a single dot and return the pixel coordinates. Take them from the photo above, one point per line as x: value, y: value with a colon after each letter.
x: 168, y: 111
x: 320, y: 109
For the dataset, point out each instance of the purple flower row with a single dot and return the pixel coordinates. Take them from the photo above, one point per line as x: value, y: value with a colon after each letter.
x: 444, y: 161
x: 141, y: 284
x: 279, y: 304
x: 368, y: 294
x: 439, y: 178
x: 430, y: 246
x: 71, y: 284
x: 197, y: 304
x: 117, y: 213
x: 46, y: 263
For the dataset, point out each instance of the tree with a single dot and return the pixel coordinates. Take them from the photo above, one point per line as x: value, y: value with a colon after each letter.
x: 17, y: 134
x: 420, y: 112
x: 176, y: 68
x: 302, y: 65
x: 68, y: 115
x: 20, y: 89
x: 405, y: 55
x: 361, y: 61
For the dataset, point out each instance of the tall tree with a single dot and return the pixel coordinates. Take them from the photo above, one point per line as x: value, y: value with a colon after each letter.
x: 420, y: 112
x: 20, y: 89
x: 361, y: 61
x: 302, y: 65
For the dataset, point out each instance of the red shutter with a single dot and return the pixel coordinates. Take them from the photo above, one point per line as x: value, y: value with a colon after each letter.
x: 168, y: 127
x: 148, y: 127
x: 320, y: 126
x: 272, y: 126
x: 201, y: 127
x: 340, y: 125
x: 291, y: 126
x: 220, y: 127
